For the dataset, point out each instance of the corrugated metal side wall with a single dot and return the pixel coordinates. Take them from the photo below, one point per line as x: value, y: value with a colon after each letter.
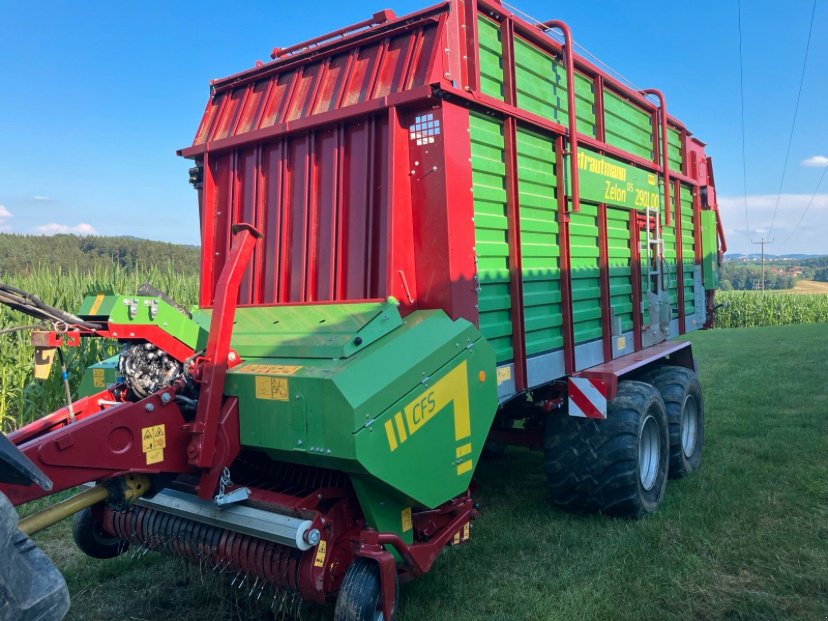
x: 319, y: 200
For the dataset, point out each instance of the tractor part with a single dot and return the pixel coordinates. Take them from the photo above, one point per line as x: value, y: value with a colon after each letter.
x: 124, y: 490
x: 681, y: 392
x: 31, y: 588
x: 616, y: 466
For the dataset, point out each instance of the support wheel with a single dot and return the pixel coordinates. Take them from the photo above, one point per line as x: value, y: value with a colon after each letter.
x: 682, y: 395
x: 92, y: 540
x: 359, y: 595
x: 616, y: 466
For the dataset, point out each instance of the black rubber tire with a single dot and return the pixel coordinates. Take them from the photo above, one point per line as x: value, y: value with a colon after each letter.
x: 92, y: 540
x: 677, y: 385
x: 359, y: 594
x: 593, y: 465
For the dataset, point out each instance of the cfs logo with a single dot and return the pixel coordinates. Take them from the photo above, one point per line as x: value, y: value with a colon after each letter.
x: 453, y: 389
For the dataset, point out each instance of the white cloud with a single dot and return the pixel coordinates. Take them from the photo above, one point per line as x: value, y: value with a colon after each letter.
x: 815, y: 161
x: 5, y: 216
x: 808, y: 237
x: 53, y: 228
x: 42, y: 199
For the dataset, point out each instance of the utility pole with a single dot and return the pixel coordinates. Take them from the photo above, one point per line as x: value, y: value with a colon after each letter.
x: 763, y: 242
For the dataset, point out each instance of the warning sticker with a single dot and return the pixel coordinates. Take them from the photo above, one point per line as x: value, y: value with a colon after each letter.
x: 268, y: 369
x: 152, y: 439
x: 406, y: 519
x: 154, y: 456
x: 98, y: 378
x: 272, y: 388
x: 321, y: 551
x: 504, y: 374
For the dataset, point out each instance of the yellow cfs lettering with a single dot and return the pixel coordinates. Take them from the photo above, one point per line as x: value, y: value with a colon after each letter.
x: 422, y: 409
x: 452, y: 389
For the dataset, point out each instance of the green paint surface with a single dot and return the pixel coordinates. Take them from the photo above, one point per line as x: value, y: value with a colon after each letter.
x: 710, y: 250
x: 491, y: 233
x: 604, y: 179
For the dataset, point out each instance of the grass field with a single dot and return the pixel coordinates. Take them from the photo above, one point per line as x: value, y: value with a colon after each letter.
x: 810, y: 287
x: 744, y: 539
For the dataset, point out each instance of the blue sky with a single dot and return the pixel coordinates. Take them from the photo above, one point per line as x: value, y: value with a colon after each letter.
x: 98, y: 96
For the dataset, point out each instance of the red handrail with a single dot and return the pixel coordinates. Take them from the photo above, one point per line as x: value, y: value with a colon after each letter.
x: 569, y: 61
x: 664, y: 149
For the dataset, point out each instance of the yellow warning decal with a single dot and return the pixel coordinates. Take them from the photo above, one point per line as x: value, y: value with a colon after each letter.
x: 451, y: 389
x: 321, y: 551
x: 43, y: 359
x: 268, y: 369
x: 96, y: 305
x: 153, y: 438
x: 271, y: 388
x: 620, y: 343
x: 406, y: 520
x: 504, y: 374
x: 466, y: 531
x: 98, y: 378
x: 153, y: 443
x: 464, y: 467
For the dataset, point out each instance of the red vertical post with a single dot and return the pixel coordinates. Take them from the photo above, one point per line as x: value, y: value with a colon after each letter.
x: 635, y: 275
x: 513, y: 208
x: 565, y: 265
x: 665, y: 153
x: 569, y: 62
x: 202, y: 447
x: 603, y: 271
x: 679, y: 259
x: 208, y: 233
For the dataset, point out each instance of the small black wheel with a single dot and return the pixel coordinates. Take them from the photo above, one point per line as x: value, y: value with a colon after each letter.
x: 359, y: 596
x: 616, y: 466
x: 91, y: 538
x: 682, y: 395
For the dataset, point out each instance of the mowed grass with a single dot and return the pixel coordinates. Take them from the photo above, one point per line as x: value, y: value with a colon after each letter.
x: 746, y: 538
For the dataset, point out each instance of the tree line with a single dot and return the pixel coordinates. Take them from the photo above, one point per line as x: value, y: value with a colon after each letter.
x: 21, y: 254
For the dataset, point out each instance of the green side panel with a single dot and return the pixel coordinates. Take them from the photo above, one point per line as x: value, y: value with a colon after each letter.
x: 670, y: 265
x: 383, y: 511
x: 491, y: 57
x: 313, y: 331
x: 539, y: 246
x: 540, y: 82
x: 710, y: 250
x: 144, y: 311
x: 98, y: 376
x: 620, y: 266
x: 586, y: 287
x: 604, y: 179
x: 688, y: 248
x: 408, y: 414
x: 627, y: 126
x: 491, y: 233
x: 674, y: 154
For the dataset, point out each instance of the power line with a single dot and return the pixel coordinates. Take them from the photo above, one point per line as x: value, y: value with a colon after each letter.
x: 810, y: 202
x: 793, y: 124
x: 742, y: 104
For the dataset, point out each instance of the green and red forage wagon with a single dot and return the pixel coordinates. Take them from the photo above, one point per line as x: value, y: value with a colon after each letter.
x: 423, y: 237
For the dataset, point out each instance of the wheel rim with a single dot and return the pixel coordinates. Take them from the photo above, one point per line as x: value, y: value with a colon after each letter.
x: 649, y: 454
x: 689, y: 426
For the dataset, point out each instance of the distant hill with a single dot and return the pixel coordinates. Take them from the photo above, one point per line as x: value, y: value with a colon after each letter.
x: 19, y: 254
x: 735, y: 256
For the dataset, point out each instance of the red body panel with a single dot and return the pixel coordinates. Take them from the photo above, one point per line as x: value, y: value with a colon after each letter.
x: 351, y: 153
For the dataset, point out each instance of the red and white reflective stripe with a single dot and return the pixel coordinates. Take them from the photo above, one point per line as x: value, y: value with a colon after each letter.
x: 587, y: 397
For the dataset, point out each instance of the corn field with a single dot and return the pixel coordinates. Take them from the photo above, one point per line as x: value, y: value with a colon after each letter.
x: 752, y: 309
x: 22, y: 399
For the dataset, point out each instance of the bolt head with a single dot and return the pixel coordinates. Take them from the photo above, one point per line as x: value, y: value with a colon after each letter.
x: 313, y: 536
x: 149, y: 407
x: 166, y: 398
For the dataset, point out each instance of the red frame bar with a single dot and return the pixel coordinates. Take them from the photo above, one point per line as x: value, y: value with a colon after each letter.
x: 665, y: 153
